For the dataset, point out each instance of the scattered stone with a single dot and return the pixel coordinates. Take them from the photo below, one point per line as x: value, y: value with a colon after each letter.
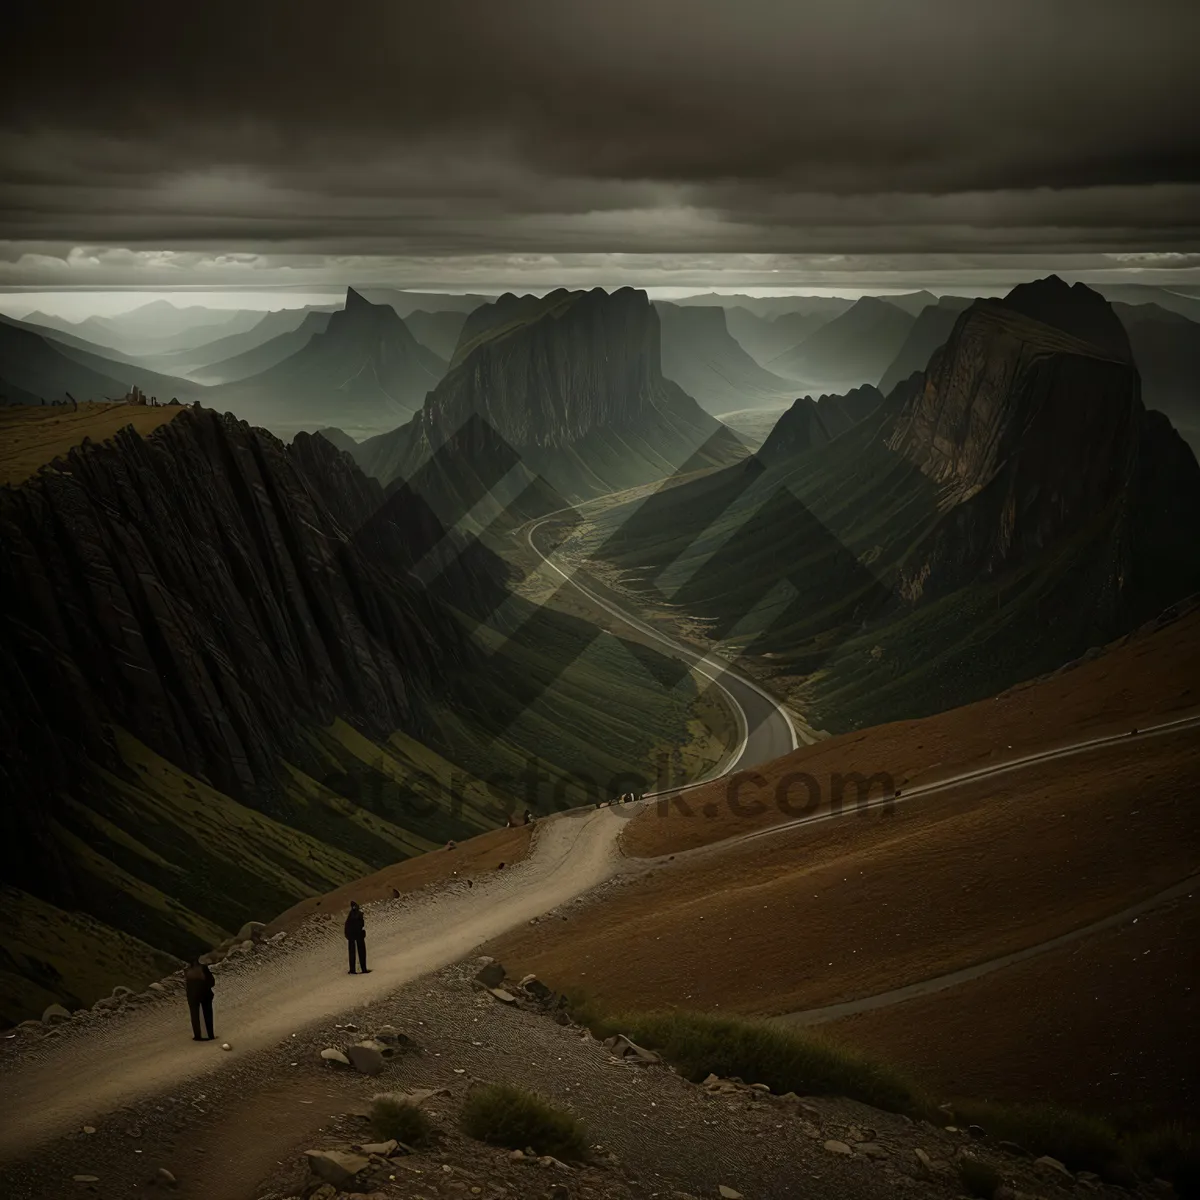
x: 365, y: 1059
x: 325, y: 1192
x: 331, y: 1054
x: 1051, y: 1166
x: 226, y: 1046
x: 86, y: 1178
x: 517, y: 1156
x: 278, y: 937
x: 491, y: 974
x: 54, y: 1014
x: 165, y: 1177
x: 760, y: 1087
x: 251, y: 930
x: 728, y: 1193
x: 871, y: 1149
x: 338, y: 1167
x: 31, y: 1026
x: 89, y: 1129
x: 503, y: 996
x: 925, y: 1165
x: 120, y: 990
x: 854, y: 1134
x: 836, y: 1147
x: 977, y: 1131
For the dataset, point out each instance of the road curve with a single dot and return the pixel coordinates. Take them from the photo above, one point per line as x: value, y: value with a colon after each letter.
x: 766, y: 729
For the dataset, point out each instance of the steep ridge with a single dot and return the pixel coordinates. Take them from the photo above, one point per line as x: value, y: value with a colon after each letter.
x: 700, y: 355
x: 1010, y: 507
x: 364, y: 374
x: 852, y: 349
x: 810, y: 423
x: 196, y: 639
x: 571, y: 382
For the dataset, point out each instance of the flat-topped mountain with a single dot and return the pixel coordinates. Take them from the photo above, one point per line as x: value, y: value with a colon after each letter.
x: 573, y: 382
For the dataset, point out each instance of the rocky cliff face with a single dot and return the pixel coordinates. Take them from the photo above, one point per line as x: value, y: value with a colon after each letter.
x: 1034, y: 429
x: 206, y: 591
x: 572, y: 382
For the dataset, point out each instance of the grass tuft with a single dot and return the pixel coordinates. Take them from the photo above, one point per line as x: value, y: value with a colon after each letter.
x: 511, y: 1117
x: 392, y: 1117
x: 786, y: 1061
x: 1079, y: 1141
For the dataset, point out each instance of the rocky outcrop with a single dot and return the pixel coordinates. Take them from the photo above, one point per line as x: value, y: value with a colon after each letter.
x: 1035, y: 431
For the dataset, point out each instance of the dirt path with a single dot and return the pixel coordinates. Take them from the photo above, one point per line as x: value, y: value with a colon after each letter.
x: 926, y: 987
x: 63, y: 1082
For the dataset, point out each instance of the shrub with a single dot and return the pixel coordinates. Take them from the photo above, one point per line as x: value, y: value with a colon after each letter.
x: 786, y: 1061
x: 1079, y: 1141
x: 392, y: 1117
x: 508, y: 1116
x: 1170, y: 1152
x: 979, y: 1178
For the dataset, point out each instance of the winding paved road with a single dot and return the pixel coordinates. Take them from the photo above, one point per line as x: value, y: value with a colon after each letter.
x: 766, y: 729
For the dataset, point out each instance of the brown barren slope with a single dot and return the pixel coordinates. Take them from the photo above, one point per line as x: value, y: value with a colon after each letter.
x: 32, y: 437
x: 1107, y: 1024
x: 470, y: 859
x: 842, y: 910
x: 1153, y: 673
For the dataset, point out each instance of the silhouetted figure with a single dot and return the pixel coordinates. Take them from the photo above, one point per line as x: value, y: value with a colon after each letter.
x: 528, y: 817
x: 200, y: 982
x: 356, y: 937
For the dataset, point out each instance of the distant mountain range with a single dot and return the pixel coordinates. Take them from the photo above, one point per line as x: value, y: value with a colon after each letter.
x: 259, y: 354
x: 766, y: 338
x: 700, y: 355
x: 365, y: 373
x: 854, y: 348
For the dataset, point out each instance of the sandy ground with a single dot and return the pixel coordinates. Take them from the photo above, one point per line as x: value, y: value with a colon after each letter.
x: 32, y: 436
x: 150, y: 1048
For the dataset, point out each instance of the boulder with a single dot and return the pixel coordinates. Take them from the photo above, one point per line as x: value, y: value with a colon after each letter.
x: 1051, y: 1166
x: 728, y: 1193
x: 503, y: 996
x: 383, y: 1149
x: 836, y: 1147
x: 626, y: 1048
x: 251, y: 930
x: 338, y: 1167
x: 55, y: 1014
x: 163, y: 1176
x: 331, y: 1054
x: 365, y: 1059
x: 491, y: 974
x: 536, y: 988
x: 120, y: 990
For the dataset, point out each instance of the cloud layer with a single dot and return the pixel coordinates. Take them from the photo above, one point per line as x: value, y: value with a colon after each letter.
x: 407, y: 132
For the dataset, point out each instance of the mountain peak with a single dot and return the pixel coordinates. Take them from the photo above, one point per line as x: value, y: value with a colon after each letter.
x: 356, y: 300
x: 1073, y: 308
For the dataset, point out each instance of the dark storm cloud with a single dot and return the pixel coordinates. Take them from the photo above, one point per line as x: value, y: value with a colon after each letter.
x: 450, y: 126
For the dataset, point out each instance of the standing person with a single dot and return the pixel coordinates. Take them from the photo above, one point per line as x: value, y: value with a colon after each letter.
x: 528, y: 818
x: 356, y: 937
x: 200, y: 983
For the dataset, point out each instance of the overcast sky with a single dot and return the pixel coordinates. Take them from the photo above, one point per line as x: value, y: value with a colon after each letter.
x: 670, y: 143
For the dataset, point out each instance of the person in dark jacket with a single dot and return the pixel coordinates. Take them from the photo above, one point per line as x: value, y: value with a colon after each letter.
x: 356, y: 937
x: 200, y: 982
